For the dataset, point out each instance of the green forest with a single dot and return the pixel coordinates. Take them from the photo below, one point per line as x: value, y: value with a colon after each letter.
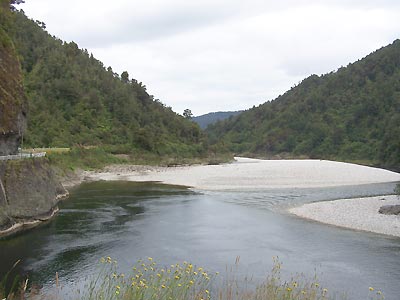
x: 75, y: 100
x: 352, y: 114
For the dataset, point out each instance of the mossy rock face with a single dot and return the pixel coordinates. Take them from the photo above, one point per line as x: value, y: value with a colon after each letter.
x: 13, y: 103
x: 3, y: 218
x: 30, y: 189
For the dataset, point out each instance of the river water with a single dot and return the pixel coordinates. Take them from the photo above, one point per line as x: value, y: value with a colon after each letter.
x: 129, y: 221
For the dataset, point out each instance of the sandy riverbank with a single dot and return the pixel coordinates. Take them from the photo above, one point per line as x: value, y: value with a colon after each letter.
x: 359, y: 214
x: 247, y: 173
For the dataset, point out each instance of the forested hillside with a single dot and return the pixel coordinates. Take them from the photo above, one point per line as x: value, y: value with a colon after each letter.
x: 213, y: 117
x: 75, y: 100
x: 351, y: 114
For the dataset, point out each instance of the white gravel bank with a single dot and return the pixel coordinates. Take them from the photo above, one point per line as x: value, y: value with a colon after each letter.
x: 359, y: 214
x: 252, y: 174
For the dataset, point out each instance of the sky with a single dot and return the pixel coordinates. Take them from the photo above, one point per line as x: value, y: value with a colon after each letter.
x: 221, y: 55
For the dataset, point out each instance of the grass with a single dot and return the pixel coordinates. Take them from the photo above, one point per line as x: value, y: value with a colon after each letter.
x: 185, y: 281
x: 148, y: 281
x: 82, y: 158
x: 12, y: 288
x: 94, y: 158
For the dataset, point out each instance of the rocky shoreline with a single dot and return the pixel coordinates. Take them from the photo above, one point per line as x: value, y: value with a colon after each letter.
x: 22, y: 225
x: 357, y: 214
x: 29, y: 194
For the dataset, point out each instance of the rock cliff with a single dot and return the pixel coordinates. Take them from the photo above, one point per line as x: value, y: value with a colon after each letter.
x: 29, y: 192
x: 13, y: 104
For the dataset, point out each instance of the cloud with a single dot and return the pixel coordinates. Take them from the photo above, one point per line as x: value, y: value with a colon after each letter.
x: 222, y: 55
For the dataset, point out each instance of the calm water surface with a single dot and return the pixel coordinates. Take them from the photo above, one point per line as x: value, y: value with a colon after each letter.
x: 129, y: 221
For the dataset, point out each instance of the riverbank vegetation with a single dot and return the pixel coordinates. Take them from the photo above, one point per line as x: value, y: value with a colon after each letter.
x: 352, y: 114
x: 95, y: 158
x: 185, y: 281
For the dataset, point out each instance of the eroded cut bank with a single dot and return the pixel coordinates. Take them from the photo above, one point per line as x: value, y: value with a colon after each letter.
x: 29, y: 193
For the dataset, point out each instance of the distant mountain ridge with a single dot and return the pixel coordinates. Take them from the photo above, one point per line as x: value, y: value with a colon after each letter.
x: 352, y: 114
x: 213, y: 117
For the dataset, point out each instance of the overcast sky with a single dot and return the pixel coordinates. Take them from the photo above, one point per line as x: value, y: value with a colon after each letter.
x: 218, y: 55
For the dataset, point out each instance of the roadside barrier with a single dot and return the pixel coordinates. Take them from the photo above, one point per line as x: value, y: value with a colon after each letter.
x: 22, y: 156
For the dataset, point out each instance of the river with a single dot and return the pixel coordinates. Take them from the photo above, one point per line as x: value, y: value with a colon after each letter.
x: 129, y: 221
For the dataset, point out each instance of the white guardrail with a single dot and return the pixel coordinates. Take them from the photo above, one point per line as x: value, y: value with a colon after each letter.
x: 22, y: 155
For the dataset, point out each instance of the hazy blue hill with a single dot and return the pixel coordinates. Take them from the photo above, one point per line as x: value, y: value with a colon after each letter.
x: 351, y: 114
x: 213, y: 117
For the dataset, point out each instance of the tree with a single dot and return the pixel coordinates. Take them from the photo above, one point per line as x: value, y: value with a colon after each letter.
x: 187, y: 113
x: 15, y: 2
x: 125, y: 77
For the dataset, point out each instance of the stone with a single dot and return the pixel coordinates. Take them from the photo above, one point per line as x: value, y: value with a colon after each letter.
x: 390, y: 209
x: 29, y: 190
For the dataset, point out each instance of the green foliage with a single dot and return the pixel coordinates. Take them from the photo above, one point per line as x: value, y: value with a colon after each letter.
x: 10, y: 287
x: 75, y: 100
x: 187, y: 113
x: 185, y: 281
x: 149, y: 281
x: 81, y: 158
x: 352, y: 114
x: 92, y: 158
